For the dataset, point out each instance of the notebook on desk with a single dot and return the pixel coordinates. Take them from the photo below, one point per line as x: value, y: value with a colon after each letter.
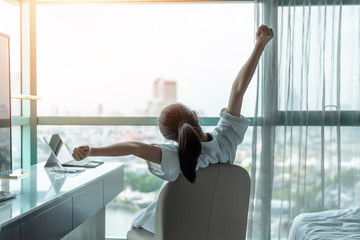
x: 63, y: 154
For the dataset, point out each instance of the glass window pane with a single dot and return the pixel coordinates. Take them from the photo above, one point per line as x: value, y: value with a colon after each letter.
x: 297, y: 185
x: 318, y: 46
x: 350, y: 58
x: 350, y: 167
x: 132, y: 60
x: 10, y: 25
x: 141, y: 187
x: 16, y: 147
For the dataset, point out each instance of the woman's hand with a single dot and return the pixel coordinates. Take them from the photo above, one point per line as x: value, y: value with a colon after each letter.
x: 81, y: 152
x: 264, y: 34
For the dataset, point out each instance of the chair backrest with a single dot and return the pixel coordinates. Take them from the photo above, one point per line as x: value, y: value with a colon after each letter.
x: 214, y: 207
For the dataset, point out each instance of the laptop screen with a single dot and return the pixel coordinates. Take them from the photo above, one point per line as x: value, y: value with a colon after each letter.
x: 59, y: 148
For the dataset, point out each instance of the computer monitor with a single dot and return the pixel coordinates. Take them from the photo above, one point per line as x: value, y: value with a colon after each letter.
x: 5, y: 107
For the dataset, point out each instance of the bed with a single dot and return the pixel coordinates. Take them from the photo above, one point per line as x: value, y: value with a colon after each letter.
x: 332, y: 224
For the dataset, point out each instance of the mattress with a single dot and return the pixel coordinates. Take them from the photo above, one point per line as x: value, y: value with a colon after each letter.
x: 332, y: 224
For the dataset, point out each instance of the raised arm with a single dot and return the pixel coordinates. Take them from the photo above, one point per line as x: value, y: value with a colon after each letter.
x: 148, y: 152
x: 263, y: 36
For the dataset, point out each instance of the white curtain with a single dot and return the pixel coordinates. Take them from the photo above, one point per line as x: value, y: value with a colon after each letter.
x: 306, y: 154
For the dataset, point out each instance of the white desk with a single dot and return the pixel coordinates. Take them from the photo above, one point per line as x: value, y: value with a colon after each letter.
x: 51, y: 205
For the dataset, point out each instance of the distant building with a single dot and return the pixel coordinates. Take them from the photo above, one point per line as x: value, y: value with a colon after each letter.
x: 4, y: 111
x: 164, y: 94
x: 100, y: 109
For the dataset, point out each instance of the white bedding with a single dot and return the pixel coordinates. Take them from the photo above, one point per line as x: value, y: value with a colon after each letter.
x: 333, y: 224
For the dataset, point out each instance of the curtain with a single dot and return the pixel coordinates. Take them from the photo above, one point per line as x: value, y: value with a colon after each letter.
x: 306, y: 135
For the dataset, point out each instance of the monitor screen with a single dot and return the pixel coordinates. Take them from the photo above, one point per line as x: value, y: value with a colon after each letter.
x: 5, y: 110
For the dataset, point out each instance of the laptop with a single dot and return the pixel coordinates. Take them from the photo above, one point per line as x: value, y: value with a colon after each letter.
x: 63, y: 154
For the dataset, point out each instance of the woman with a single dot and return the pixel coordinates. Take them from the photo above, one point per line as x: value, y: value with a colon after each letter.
x: 192, y: 148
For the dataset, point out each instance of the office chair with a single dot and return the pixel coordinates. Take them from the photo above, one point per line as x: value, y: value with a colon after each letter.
x: 214, y: 207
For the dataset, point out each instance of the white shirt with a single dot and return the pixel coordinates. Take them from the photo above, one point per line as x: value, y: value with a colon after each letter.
x: 227, y: 135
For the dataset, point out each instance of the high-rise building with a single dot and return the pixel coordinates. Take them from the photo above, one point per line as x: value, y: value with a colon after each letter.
x: 164, y: 94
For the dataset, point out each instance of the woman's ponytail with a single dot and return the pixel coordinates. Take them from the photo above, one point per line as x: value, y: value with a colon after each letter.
x: 189, y: 150
x: 180, y: 124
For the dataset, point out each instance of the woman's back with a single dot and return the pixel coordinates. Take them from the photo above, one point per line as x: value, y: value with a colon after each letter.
x: 221, y: 148
x: 227, y: 135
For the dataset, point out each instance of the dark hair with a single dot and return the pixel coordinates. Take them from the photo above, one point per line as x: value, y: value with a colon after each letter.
x: 179, y: 123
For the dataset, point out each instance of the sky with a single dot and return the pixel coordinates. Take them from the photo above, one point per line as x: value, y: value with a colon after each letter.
x: 111, y: 55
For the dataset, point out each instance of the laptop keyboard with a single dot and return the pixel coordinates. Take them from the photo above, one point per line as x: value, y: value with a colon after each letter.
x: 77, y: 163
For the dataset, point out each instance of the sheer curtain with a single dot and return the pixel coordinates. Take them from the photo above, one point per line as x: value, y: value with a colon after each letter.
x: 306, y: 154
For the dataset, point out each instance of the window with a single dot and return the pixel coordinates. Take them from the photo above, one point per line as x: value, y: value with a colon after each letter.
x: 138, y: 52
x: 319, y: 60
x: 10, y: 25
x: 132, y: 60
x: 315, y: 161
